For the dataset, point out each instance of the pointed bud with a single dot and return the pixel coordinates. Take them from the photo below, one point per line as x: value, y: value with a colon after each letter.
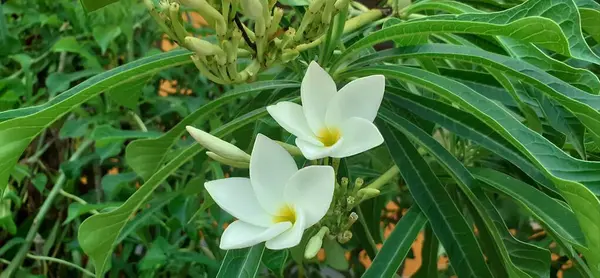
x: 218, y: 146
x: 314, y: 243
x: 252, y: 8
x: 202, y: 47
x: 367, y: 193
x: 226, y: 161
x: 293, y: 150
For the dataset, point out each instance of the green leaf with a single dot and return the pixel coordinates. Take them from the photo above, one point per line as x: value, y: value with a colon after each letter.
x: 109, y: 133
x: 275, y: 260
x: 335, y: 255
x: 59, y: 82
x: 242, y: 263
x: 70, y: 44
x: 39, y: 182
x: 397, y: 245
x: 146, y: 155
x: 294, y: 2
x: 17, y: 133
x: 541, y: 31
x: 552, y: 214
x: 583, y: 105
x: 112, y: 184
x: 468, y: 126
x: 590, y: 22
x: 97, y: 234
x: 104, y: 35
x: 430, y: 195
x: 429, y: 255
x: 570, y: 175
x: 92, y: 5
x: 74, y: 128
x: 128, y: 94
x: 77, y: 209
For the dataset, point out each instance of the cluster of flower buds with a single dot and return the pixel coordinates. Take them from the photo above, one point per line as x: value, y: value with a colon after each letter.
x: 265, y: 43
x: 339, y: 219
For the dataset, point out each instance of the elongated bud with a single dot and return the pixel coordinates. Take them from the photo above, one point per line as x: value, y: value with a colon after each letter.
x: 367, y: 193
x: 202, y: 47
x: 358, y: 183
x: 218, y: 146
x: 340, y: 4
x: 227, y: 161
x: 351, y: 220
x: 314, y: 243
x: 252, y: 8
x: 293, y: 150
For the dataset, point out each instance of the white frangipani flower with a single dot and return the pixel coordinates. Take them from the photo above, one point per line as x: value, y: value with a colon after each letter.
x: 277, y: 203
x: 330, y: 122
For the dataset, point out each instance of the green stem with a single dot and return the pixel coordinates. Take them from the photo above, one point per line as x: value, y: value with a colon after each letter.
x: 350, y: 25
x: 37, y: 221
x: 363, y: 223
x: 76, y: 199
x: 385, y: 178
x: 138, y: 121
x: 51, y: 259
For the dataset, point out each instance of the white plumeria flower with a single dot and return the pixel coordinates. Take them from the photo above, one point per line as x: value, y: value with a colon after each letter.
x: 330, y: 122
x: 277, y: 203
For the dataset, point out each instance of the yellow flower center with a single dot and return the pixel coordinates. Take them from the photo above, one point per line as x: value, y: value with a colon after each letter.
x: 329, y: 136
x: 285, y: 214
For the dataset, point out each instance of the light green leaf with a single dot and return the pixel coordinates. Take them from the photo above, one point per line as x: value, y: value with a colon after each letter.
x: 538, y: 30
x: 570, y: 175
x: 71, y: 45
x: 146, y: 155
x: 59, y: 82
x: 92, y: 5
x: 104, y: 35
x: 397, y: 245
x: 429, y: 194
x: 128, y: 94
x: 590, y: 22
x: 109, y: 133
x: 242, y: 263
x: 77, y: 209
x: 17, y: 133
x: 97, y: 234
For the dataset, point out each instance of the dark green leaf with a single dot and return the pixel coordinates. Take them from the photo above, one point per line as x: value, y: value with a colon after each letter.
x: 242, y: 263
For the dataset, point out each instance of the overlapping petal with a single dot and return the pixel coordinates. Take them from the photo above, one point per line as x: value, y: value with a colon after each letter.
x: 291, y: 117
x: 271, y: 166
x: 312, y: 151
x: 311, y: 190
x: 358, y: 135
x: 316, y: 91
x: 291, y: 237
x: 245, y: 207
x: 240, y: 234
x: 360, y: 98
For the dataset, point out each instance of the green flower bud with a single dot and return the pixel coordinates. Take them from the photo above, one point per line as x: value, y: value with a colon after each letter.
x: 218, y: 146
x: 202, y: 47
x: 252, y: 8
x: 344, y: 237
x: 359, y: 182
x: 289, y: 54
x: 367, y: 193
x: 314, y: 243
x: 226, y: 161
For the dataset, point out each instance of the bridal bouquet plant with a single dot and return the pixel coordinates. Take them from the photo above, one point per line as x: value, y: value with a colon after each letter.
x: 340, y: 134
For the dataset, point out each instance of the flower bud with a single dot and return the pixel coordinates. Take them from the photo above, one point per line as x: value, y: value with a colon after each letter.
x: 293, y: 150
x: 314, y: 243
x: 289, y: 54
x: 252, y: 8
x: 226, y: 161
x: 218, y: 146
x: 344, y: 237
x: 367, y: 193
x: 350, y: 201
x: 202, y: 47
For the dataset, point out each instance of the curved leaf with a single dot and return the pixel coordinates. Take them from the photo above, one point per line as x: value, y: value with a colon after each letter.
x: 570, y: 175
x: 242, y: 263
x: 397, y: 245
x: 429, y: 194
x: 17, y: 133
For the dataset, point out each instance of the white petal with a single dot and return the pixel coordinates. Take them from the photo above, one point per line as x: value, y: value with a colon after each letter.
x: 291, y: 237
x: 358, y: 135
x: 316, y: 91
x: 359, y: 98
x: 311, y: 190
x: 290, y: 116
x: 312, y: 151
x: 271, y: 166
x: 240, y: 234
x: 236, y: 197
